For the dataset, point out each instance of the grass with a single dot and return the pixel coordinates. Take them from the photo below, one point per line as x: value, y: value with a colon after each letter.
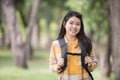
x: 38, y: 68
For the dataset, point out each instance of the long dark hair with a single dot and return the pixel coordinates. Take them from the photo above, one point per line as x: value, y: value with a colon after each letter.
x: 81, y: 35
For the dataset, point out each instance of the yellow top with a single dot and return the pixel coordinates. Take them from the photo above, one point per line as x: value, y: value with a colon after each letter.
x: 74, y: 68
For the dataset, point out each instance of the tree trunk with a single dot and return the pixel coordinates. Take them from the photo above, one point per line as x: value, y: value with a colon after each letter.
x: 114, y: 21
x: 48, y: 38
x: 105, y: 58
x: 6, y: 36
x: 17, y: 44
x: 5, y: 33
x: 107, y: 62
x: 2, y: 38
x: 33, y: 17
x: 36, y: 35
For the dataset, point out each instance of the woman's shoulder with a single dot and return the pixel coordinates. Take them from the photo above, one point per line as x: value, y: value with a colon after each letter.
x: 55, y: 43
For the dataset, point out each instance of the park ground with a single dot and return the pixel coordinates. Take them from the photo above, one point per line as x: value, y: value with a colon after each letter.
x: 38, y: 68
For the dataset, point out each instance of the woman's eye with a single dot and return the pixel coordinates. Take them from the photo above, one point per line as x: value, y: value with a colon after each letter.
x: 71, y: 23
x: 77, y: 24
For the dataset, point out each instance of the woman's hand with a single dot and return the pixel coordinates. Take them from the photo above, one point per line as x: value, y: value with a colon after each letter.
x: 88, y: 61
x: 60, y: 62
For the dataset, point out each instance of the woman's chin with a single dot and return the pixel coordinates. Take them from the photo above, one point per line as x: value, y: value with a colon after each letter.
x: 73, y: 34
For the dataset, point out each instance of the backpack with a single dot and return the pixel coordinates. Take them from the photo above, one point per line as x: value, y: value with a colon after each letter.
x: 64, y: 54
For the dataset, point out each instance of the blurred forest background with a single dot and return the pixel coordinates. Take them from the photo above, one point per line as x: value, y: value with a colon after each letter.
x: 27, y: 28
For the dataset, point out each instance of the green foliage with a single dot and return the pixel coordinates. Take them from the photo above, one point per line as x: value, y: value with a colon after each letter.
x: 19, y: 4
x: 94, y: 14
x: 53, y: 29
x: 21, y: 26
x: 55, y: 3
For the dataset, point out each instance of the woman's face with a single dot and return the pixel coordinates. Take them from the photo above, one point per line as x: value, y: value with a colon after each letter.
x: 73, y: 26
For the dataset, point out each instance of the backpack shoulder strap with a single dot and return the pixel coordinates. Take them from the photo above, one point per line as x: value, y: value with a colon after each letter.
x: 82, y: 48
x: 63, y: 46
x: 83, y: 55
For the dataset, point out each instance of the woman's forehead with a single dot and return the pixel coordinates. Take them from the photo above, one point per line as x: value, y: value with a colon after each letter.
x: 74, y: 18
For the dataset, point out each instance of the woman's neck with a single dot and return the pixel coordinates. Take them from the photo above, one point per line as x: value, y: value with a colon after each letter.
x: 70, y: 38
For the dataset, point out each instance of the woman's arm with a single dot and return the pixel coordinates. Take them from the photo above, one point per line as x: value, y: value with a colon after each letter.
x: 92, y: 64
x: 52, y: 59
x: 56, y: 62
x: 91, y: 60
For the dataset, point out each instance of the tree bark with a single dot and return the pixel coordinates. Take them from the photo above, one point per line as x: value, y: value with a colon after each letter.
x: 17, y: 45
x: 107, y: 62
x: 48, y: 17
x: 33, y: 17
x: 6, y: 36
x: 5, y: 33
x: 105, y: 58
x: 114, y: 21
x: 36, y: 35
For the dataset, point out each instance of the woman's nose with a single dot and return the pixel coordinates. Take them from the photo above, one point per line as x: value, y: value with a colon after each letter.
x: 74, y: 26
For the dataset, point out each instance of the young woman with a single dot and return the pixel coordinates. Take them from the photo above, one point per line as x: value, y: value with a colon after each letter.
x: 72, y: 67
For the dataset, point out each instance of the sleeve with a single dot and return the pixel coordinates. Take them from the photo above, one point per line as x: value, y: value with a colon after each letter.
x: 53, y: 59
x: 94, y: 60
